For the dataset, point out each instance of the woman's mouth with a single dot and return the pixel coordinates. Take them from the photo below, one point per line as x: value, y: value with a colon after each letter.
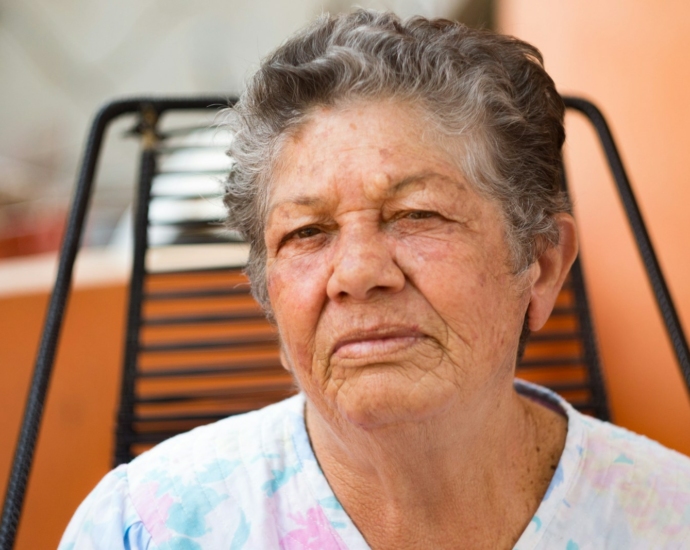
x: 375, y: 342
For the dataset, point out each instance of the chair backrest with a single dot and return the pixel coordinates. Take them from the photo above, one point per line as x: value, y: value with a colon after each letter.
x: 198, y: 346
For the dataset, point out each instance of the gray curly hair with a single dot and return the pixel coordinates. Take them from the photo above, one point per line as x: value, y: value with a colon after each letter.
x: 488, y: 90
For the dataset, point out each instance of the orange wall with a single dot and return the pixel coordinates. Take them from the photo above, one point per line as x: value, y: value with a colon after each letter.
x: 631, y: 58
x: 76, y: 436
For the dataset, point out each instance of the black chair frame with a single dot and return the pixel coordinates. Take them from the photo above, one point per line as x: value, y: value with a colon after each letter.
x: 149, y: 111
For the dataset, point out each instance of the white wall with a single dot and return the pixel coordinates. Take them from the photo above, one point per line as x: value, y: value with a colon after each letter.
x: 61, y: 59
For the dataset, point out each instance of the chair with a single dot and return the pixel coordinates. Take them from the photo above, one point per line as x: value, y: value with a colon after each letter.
x: 197, y: 346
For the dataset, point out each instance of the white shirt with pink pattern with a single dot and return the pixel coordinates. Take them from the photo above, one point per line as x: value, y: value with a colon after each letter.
x: 253, y: 482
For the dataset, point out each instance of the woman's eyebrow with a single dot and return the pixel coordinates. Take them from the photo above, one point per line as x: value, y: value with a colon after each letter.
x: 297, y: 200
x: 409, y: 182
x: 405, y: 184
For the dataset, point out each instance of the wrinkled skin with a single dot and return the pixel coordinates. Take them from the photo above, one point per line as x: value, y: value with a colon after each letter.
x: 389, y: 277
x: 398, y: 310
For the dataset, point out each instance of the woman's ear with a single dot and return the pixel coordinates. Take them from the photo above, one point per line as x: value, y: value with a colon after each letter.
x: 551, y: 270
x: 284, y: 359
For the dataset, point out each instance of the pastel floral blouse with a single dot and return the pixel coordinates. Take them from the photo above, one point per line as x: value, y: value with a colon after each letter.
x: 253, y: 482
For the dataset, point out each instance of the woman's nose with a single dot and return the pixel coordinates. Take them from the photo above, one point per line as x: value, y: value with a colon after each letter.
x: 364, y: 265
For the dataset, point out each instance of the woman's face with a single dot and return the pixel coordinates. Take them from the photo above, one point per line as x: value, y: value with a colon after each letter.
x: 389, y: 276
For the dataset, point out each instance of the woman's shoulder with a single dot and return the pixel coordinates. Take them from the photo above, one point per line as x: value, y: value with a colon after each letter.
x: 106, y: 520
x: 200, y: 484
x: 603, y: 445
x: 605, y: 442
x: 618, y: 440
x: 228, y: 440
x: 637, y: 461
x: 612, y: 487
x: 630, y: 489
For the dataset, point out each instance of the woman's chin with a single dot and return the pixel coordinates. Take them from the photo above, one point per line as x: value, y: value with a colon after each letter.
x: 379, y: 399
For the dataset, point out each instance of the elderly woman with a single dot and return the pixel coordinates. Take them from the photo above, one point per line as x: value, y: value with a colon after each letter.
x: 399, y: 185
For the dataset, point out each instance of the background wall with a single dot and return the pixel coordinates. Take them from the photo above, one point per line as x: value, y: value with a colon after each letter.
x: 73, y: 450
x: 631, y: 58
x: 61, y: 59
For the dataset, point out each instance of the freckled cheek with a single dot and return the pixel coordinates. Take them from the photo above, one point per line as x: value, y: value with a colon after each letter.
x: 296, y: 289
x: 461, y: 285
x: 444, y: 265
x: 418, y: 251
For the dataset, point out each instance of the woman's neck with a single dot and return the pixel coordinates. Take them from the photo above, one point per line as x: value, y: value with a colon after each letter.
x: 471, y: 477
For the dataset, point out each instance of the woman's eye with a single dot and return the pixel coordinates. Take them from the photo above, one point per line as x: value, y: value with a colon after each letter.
x: 306, y: 232
x: 420, y: 215
x: 299, y: 234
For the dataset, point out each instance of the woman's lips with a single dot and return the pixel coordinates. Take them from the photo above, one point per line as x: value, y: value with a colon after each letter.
x: 375, y: 343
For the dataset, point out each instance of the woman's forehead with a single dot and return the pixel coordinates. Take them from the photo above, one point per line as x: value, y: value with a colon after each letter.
x: 367, y: 117
x: 375, y: 149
